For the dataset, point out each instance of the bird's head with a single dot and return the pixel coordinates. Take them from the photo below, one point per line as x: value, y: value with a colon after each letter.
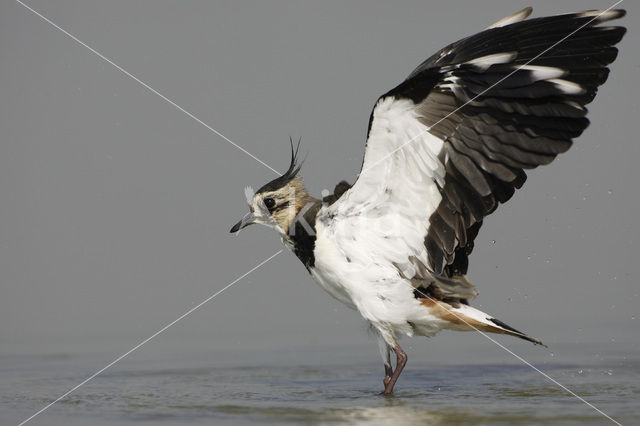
x: 277, y: 203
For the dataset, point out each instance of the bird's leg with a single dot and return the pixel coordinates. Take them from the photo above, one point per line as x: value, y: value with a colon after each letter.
x: 388, y: 372
x: 385, y: 352
x: 401, y: 358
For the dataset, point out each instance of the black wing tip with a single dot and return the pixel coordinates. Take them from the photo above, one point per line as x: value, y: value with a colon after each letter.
x: 517, y: 333
x: 596, y: 15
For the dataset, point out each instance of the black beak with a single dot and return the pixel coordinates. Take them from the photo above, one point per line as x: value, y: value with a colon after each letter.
x: 249, y: 219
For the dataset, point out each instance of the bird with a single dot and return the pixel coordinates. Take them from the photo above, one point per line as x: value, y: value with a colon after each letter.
x: 444, y: 149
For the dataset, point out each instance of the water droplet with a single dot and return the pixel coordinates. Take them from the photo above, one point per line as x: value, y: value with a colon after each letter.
x: 609, y: 192
x: 580, y: 371
x: 493, y: 241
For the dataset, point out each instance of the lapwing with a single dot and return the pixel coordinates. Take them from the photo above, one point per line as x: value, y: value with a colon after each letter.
x: 444, y: 149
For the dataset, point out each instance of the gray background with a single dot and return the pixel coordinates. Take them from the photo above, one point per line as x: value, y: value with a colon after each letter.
x: 115, y: 206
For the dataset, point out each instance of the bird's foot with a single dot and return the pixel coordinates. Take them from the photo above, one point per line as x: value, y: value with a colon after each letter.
x: 387, y: 391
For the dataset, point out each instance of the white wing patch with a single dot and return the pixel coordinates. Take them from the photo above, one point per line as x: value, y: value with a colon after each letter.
x: 484, y: 62
x: 539, y: 72
x: 568, y: 87
x: 601, y: 16
x: 400, y: 154
x: 384, y: 217
x: 511, y: 19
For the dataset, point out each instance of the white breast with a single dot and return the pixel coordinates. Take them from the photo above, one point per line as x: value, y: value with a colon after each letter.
x: 381, y: 222
x: 348, y: 271
x: 328, y: 282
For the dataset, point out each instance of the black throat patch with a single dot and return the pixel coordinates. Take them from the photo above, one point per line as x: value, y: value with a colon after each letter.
x: 302, y: 234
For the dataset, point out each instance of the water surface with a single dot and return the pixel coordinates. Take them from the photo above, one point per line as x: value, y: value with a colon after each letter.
x: 148, y: 391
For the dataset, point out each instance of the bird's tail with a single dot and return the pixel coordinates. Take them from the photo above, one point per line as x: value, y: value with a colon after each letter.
x: 466, y: 318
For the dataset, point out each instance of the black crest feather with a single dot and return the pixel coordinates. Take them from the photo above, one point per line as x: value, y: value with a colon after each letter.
x: 290, y: 174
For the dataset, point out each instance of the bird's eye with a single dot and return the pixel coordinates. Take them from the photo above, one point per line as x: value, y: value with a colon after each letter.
x: 270, y: 203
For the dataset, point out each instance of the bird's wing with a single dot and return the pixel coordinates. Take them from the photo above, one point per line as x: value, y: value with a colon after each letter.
x: 452, y: 141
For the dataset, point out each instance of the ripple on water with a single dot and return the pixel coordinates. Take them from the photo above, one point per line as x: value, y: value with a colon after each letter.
x: 446, y: 395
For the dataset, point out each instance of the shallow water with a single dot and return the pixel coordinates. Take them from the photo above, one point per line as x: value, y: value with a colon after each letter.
x: 154, y: 391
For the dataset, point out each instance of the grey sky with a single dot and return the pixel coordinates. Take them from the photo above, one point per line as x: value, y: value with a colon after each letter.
x: 115, y: 206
